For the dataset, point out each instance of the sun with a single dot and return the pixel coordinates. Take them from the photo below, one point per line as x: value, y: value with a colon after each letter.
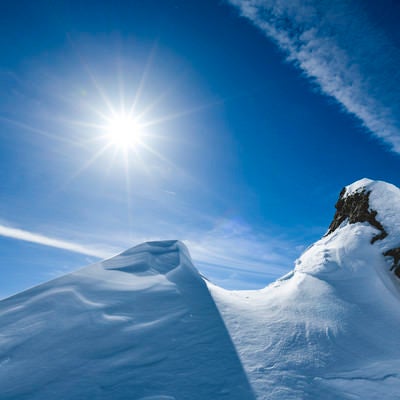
x: 124, y: 132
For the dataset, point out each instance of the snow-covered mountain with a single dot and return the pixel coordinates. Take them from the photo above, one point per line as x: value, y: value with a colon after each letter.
x: 145, y: 325
x: 330, y: 328
x: 141, y: 325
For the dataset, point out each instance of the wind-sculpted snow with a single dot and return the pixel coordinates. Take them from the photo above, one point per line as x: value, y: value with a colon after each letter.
x: 141, y: 325
x: 329, y: 329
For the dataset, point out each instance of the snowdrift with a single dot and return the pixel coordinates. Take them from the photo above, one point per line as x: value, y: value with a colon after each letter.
x: 141, y: 325
x: 145, y: 325
x: 329, y: 329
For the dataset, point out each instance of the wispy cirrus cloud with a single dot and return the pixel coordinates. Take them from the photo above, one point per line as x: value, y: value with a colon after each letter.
x: 230, y: 253
x: 233, y: 255
x: 27, y: 236
x: 336, y: 45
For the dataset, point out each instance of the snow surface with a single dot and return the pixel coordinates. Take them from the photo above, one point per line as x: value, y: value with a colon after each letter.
x: 145, y: 325
x: 329, y: 329
x: 141, y: 325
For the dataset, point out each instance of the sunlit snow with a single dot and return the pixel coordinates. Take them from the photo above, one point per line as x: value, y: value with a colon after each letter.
x: 146, y: 325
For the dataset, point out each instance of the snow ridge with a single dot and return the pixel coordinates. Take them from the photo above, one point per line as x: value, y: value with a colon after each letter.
x: 145, y: 325
x: 329, y: 328
x: 141, y: 325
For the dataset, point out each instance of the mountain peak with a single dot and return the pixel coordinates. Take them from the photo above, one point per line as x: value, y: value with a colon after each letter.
x: 145, y: 325
x: 375, y: 204
x: 353, y: 206
x: 359, y: 185
x: 156, y: 257
x: 329, y: 328
x: 140, y: 325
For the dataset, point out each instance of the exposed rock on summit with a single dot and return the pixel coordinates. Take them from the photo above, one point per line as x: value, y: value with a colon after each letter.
x: 355, y: 208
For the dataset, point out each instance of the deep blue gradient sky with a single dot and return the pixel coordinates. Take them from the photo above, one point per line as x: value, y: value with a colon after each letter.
x: 246, y: 150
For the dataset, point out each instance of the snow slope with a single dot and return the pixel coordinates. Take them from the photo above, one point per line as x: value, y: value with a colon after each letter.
x: 141, y: 325
x: 329, y: 329
x: 145, y: 325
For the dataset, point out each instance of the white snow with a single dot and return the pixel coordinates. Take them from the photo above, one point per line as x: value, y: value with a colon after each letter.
x: 329, y: 329
x: 144, y: 326
x: 141, y: 325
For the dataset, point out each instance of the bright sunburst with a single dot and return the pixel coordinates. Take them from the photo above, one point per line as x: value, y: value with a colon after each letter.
x: 124, y: 132
x: 122, y: 128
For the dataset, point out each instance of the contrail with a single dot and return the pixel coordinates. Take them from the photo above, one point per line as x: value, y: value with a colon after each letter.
x: 33, y: 237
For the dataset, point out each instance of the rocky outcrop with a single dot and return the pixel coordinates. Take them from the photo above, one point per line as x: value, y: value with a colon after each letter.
x: 395, y: 254
x: 355, y: 208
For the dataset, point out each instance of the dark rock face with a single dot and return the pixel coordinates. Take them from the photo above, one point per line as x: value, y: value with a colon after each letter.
x: 355, y: 208
x: 395, y: 254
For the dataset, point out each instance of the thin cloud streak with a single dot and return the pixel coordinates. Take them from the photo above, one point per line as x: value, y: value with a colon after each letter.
x: 335, y: 44
x: 232, y: 247
x: 230, y: 253
x: 37, y: 238
x: 243, y: 255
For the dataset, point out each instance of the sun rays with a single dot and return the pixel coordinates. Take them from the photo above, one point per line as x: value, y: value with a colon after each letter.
x: 118, y: 124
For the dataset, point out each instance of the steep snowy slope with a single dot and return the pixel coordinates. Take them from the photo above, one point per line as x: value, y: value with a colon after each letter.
x: 330, y: 329
x: 144, y: 326
x: 141, y: 325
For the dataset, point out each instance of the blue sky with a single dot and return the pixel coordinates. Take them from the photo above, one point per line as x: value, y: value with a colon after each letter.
x: 255, y: 114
